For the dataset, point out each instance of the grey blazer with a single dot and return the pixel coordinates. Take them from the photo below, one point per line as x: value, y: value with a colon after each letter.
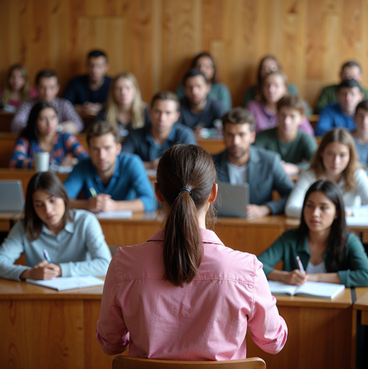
x: 265, y: 174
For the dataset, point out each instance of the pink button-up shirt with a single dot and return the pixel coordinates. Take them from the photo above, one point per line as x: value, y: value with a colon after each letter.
x: 206, y: 319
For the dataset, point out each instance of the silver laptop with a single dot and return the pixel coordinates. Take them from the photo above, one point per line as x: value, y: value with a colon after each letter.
x: 233, y: 200
x: 11, y: 196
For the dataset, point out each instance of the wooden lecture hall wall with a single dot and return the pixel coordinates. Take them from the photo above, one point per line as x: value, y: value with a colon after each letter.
x: 156, y: 39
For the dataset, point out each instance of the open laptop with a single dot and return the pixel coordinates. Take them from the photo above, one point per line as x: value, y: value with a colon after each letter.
x: 232, y: 200
x: 11, y: 196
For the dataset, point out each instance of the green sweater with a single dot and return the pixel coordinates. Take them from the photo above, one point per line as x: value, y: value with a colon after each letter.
x: 328, y: 96
x: 299, y: 151
x: 354, y: 269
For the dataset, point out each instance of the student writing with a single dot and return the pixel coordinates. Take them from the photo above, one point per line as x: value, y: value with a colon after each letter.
x: 327, y: 251
x: 49, y: 223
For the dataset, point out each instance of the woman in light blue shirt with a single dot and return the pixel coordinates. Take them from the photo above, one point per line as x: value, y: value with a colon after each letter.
x: 68, y: 236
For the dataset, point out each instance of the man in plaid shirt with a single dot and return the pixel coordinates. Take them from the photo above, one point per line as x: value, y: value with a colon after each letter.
x: 47, y: 84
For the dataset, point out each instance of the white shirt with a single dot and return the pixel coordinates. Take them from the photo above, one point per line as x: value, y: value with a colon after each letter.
x: 356, y: 197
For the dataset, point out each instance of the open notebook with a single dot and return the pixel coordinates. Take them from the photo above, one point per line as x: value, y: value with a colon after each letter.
x: 68, y: 283
x: 309, y: 289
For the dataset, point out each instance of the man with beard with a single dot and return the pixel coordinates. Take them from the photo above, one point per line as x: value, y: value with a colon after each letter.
x: 243, y: 163
x: 197, y: 110
x: 89, y: 92
x: 152, y: 140
x: 109, y: 180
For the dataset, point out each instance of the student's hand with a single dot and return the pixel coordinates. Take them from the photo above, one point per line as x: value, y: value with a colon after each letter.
x: 69, y: 127
x: 101, y: 202
x: 91, y: 108
x: 296, y: 277
x: 43, y: 270
x: 290, y: 168
x: 256, y: 211
x: 69, y: 161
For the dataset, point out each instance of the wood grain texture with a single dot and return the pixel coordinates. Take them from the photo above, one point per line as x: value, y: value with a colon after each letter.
x: 156, y: 40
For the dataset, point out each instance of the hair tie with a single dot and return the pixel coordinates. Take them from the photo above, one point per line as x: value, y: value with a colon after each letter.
x: 186, y: 189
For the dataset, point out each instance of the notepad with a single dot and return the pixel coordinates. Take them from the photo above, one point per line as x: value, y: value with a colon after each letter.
x: 121, y: 214
x: 68, y: 283
x: 309, y: 289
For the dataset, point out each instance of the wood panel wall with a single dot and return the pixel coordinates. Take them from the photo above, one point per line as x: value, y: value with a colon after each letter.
x: 156, y: 39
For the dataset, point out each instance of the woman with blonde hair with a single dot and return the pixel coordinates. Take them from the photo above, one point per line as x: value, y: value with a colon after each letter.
x: 125, y: 108
x: 17, y: 88
x: 336, y: 160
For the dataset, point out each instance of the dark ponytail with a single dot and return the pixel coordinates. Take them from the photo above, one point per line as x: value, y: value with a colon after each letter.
x: 190, y: 167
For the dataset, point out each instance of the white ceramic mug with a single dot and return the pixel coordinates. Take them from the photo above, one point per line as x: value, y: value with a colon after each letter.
x: 42, y: 161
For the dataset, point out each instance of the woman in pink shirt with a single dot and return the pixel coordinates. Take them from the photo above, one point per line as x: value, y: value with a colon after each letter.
x: 183, y: 295
x: 274, y: 87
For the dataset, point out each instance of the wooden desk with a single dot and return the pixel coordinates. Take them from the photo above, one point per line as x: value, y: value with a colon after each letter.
x: 320, y: 334
x: 47, y: 329
x: 361, y: 304
x: 43, y: 328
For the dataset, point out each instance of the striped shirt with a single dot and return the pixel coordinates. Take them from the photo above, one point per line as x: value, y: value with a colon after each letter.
x: 65, y: 109
x: 64, y: 144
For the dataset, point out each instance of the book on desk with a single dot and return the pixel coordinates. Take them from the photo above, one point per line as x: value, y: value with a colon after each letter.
x: 308, y: 289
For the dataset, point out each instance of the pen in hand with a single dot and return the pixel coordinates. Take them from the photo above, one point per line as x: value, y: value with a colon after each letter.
x: 300, y: 265
x: 46, y: 255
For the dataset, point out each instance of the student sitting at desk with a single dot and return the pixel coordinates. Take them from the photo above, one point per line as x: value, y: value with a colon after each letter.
x: 295, y: 147
x: 242, y: 163
x: 183, y: 295
x: 40, y: 134
x: 109, y: 180
x: 274, y: 87
x: 219, y: 91
x: 68, y: 236
x: 336, y: 159
x: 360, y: 135
x: 150, y: 142
x: 327, y: 251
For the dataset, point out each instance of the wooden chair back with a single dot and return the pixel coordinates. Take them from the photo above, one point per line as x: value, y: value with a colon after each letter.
x: 127, y: 362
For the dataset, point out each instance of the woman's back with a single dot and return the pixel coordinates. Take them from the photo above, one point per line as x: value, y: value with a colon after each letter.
x: 204, y: 320
x: 183, y: 295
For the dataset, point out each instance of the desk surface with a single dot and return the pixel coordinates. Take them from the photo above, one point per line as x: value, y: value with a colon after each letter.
x: 362, y: 299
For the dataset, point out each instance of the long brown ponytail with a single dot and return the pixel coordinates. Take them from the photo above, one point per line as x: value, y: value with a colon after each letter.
x: 190, y: 167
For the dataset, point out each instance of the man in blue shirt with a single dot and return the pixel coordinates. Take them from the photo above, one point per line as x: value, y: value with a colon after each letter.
x: 341, y: 114
x: 90, y: 91
x: 109, y: 180
x: 197, y: 110
x: 151, y: 141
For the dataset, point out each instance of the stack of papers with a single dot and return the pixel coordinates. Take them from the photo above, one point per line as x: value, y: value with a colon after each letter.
x: 308, y: 289
x: 68, y: 283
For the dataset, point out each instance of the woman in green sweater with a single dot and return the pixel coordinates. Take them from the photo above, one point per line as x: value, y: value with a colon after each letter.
x: 327, y: 251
